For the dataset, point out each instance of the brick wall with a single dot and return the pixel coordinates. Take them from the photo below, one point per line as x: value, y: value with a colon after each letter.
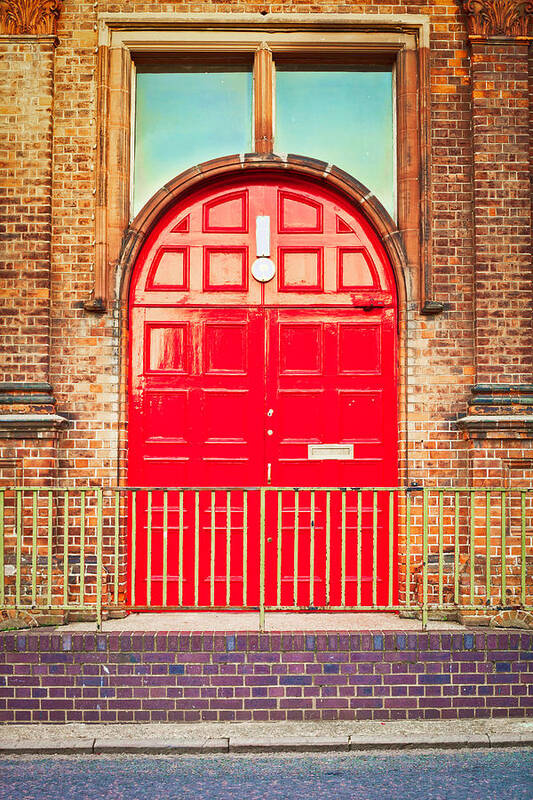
x: 479, y: 151
x: 502, y: 212
x: 84, y: 351
x: 171, y: 677
x: 26, y: 78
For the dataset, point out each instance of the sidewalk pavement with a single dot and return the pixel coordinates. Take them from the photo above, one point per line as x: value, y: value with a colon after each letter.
x: 255, y: 737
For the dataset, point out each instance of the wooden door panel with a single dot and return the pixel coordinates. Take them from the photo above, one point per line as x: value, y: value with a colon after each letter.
x: 325, y: 253
x: 195, y: 409
x: 331, y: 381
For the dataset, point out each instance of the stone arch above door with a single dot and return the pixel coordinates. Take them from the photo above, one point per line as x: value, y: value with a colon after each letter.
x: 232, y: 166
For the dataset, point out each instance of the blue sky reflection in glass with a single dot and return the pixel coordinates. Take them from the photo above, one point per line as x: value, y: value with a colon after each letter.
x: 342, y: 116
x: 184, y: 117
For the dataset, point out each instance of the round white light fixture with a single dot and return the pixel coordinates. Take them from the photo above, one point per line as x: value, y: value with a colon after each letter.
x: 263, y: 269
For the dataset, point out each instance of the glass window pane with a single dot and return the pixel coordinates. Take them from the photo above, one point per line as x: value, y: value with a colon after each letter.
x: 184, y: 115
x: 342, y: 116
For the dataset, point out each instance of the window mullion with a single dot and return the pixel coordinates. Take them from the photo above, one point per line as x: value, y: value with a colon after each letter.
x: 263, y: 100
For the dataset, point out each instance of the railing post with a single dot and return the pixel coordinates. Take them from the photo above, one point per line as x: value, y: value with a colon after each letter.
x: 262, y: 512
x: 65, y: 548
x: 49, y: 548
x: 504, y: 548
x: 523, y: 547
x: 18, y: 556
x: 2, y: 549
x: 408, y: 550
x: 116, y: 547
x: 34, y: 548
x: 99, y: 559
x: 425, y: 563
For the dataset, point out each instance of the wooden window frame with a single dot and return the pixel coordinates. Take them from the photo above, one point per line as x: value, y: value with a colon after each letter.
x: 402, y: 40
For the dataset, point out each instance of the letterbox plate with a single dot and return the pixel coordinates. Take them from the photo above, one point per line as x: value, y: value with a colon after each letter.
x: 328, y: 452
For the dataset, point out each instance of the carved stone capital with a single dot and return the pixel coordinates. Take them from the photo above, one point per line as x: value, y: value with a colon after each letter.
x: 33, y: 17
x: 511, y: 18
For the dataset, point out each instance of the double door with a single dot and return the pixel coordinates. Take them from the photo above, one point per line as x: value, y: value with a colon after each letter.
x: 238, y: 384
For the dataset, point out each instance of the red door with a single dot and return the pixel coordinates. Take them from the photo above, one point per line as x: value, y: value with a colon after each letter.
x: 240, y: 383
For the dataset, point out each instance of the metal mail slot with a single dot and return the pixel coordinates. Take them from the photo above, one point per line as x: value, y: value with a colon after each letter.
x: 323, y: 452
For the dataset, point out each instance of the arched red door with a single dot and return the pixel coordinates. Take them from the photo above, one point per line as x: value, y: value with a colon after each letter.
x: 235, y: 382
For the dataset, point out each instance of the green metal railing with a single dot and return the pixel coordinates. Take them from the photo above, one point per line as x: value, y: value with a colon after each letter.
x: 411, y: 550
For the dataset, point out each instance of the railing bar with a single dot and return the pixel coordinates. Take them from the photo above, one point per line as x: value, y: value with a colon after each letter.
x: 262, y: 533
x: 154, y: 607
x: 391, y: 546
x: 406, y: 489
x: 245, y: 548
x: 65, y: 547
x: 328, y: 547
x: 212, y: 555
x: 165, y: 548
x: 19, y: 550
x: 374, y: 548
x: 296, y: 534
x: 488, y: 508
x: 99, y: 504
x: 180, y: 550
x: 408, y: 551
x: 472, y: 544
x: 359, y: 544
x: 523, y: 547
x: 425, y: 560
x: 2, y: 552
x: 34, y: 548
x: 228, y: 547
x: 117, y: 548
x: 457, y: 501
x: 238, y: 608
x: 504, y: 547
x: 312, y: 553
x: 196, y: 546
x: 279, y: 546
x: 149, y: 551
x: 441, y: 550
x: 343, y: 549
x: 82, y: 549
x: 133, y: 544
x: 49, y: 548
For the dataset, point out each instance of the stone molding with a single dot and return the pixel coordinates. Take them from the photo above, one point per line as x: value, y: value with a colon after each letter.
x: 497, y: 426
x: 503, y: 398
x: 499, y: 411
x: 30, y: 426
x: 29, y: 17
x: 26, y: 398
x: 507, y: 18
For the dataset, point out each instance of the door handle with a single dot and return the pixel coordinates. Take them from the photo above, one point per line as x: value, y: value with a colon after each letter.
x: 269, y: 473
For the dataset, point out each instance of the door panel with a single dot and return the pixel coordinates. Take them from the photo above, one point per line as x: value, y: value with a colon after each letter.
x: 331, y: 381
x: 233, y: 383
x: 197, y: 387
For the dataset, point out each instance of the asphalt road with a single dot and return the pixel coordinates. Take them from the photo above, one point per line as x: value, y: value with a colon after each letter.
x: 435, y: 775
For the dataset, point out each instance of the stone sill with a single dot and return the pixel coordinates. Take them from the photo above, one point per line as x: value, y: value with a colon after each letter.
x: 19, y: 426
x: 494, y: 426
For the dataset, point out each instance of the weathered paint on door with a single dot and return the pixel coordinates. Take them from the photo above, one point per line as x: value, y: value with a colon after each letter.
x: 231, y: 380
